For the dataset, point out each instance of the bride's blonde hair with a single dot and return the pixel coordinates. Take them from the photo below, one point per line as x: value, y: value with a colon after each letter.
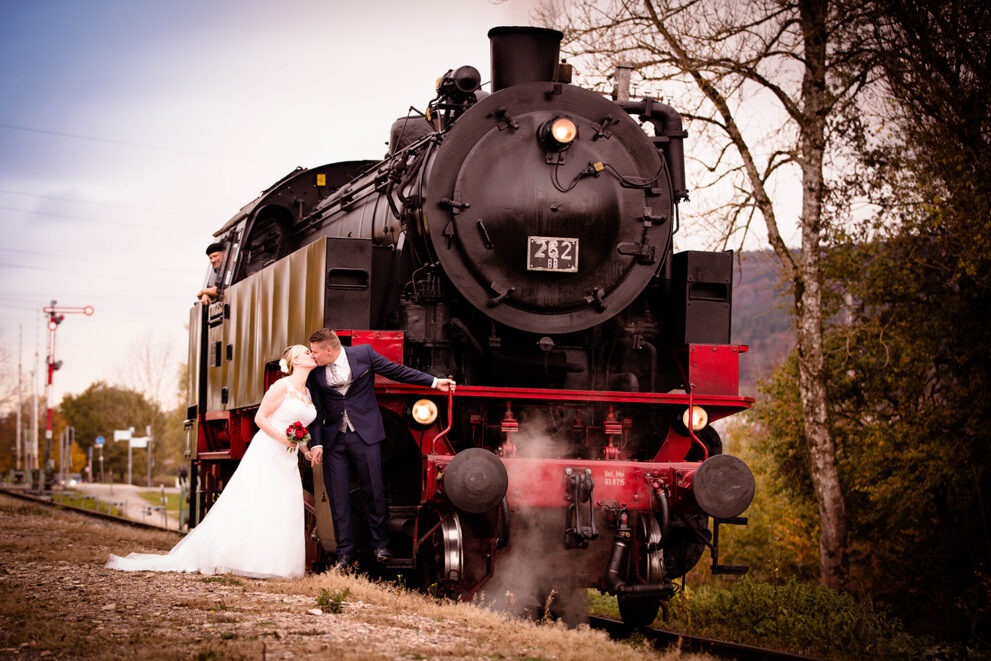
x: 288, y: 356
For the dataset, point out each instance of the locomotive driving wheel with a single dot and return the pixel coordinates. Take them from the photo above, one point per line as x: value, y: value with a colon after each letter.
x: 442, y: 554
x: 650, y: 561
x: 647, y: 566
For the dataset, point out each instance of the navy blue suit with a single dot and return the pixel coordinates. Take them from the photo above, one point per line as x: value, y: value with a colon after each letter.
x: 360, y: 448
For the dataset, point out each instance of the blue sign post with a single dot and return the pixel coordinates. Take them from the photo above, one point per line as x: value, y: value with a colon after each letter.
x: 98, y: 443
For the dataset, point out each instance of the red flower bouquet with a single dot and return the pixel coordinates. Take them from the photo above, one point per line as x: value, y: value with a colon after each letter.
x: 296, y: 433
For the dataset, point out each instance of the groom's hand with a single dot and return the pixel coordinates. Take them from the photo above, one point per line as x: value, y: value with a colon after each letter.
x: 315, y: 456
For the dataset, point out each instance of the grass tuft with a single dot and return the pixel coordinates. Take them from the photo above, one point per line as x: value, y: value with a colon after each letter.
x: 333, y: 602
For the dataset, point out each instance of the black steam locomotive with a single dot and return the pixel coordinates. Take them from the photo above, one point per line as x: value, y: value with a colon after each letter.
x: 520, y: 241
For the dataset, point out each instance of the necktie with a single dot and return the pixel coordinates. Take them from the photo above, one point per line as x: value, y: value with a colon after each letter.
x: 337, y: 383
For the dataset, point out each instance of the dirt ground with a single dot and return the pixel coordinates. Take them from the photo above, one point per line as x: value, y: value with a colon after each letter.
x: 58, y: 601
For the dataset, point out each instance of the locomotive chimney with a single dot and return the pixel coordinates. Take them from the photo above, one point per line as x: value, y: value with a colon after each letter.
x: 523, y: 55
x: 621, y: 92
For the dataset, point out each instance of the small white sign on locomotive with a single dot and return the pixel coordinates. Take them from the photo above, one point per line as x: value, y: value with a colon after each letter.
x: 553, y: 253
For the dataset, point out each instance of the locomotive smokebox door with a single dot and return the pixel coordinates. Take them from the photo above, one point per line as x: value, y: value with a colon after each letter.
x: 702, y: 296
x: 526, y: 229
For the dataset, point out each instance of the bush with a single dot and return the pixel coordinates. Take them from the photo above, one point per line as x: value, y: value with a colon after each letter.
x: 805, y: 618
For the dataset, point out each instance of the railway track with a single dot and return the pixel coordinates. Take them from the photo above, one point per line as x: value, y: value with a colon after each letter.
x: 616, y: 629
x: 41, y: 500
x: 662, y: 639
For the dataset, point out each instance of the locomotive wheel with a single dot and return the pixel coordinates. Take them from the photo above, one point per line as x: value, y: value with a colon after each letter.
x: 453, y: 564
x: 502, y: 525
x: 650, y: 556
x: 649, y: 564
x: 442, y: 557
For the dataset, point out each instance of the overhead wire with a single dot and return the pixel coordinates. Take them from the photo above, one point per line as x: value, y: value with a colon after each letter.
x: 126, y: 143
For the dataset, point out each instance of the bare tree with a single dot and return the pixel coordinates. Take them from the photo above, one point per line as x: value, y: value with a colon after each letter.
x: 151, y: 369
x: 768, y: 87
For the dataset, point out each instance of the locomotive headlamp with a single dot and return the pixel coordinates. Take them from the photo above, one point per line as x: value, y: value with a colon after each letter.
x: 558, y: 134
x: 564, y: 130
x: 460, y: 83
x: 423, y: 412
x: 696, y: 418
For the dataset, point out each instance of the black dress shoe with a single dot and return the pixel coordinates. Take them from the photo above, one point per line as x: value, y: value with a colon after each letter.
x: 343, y: 562
x: 382, y: 555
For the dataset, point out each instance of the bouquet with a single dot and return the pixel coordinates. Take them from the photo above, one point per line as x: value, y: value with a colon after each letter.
x: 296, y: 433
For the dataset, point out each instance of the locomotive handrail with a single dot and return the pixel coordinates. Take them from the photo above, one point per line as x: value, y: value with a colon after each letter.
x: 614, y: 396
x: 450, y: 421
x: 691, y: 423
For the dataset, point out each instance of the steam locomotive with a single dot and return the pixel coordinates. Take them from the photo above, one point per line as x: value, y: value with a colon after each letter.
x: 520, y: 241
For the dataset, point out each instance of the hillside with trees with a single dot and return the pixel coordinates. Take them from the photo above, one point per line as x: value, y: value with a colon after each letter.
x: 761, y: 317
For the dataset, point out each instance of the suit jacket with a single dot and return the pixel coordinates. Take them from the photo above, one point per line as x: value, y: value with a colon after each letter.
x: 359, y: 402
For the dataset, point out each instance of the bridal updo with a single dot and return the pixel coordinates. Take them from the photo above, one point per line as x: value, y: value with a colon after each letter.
x: 289, y: 357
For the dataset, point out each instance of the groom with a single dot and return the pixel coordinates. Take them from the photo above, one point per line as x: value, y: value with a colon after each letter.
x: 348, y: 429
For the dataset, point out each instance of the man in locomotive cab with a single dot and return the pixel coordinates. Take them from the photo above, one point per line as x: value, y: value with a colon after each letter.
x: 210, y: 293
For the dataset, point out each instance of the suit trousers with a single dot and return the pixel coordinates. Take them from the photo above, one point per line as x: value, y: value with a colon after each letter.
x: 348, y: 450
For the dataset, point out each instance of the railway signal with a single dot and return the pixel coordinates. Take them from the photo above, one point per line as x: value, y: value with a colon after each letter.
x: 56, y: 315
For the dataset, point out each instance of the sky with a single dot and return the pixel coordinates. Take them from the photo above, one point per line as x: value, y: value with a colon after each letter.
x: 131, y: 130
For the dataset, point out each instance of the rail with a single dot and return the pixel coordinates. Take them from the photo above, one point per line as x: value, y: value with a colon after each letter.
x: 48, y: 502
x: 661, y: 639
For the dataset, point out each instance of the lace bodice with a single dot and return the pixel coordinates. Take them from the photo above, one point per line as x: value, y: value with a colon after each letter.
x: 296, y: 406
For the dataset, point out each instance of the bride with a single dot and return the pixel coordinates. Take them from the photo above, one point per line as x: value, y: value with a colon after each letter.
x: 255, y: 528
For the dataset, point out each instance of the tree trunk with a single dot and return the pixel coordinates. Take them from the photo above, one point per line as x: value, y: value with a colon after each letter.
x: 808, y: 300
x: 822, y: 449
x: 723, y: 52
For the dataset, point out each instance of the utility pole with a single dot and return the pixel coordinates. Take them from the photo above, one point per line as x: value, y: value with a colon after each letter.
x: 19, y: 457
x: 55, y: 317
x: 148, y: 455
x: 32, y: 463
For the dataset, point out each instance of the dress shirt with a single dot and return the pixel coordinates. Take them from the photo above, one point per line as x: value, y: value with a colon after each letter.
x: 339, y: 374
x: 339, y: 378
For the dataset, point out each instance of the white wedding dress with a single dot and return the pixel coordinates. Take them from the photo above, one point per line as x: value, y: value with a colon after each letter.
x: 255, y: 528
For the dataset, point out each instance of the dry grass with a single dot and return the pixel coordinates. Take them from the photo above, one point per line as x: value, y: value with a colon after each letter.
x: 57, y: 601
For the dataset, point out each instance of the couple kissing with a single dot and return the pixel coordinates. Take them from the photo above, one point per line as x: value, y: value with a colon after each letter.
x: 256, y: 526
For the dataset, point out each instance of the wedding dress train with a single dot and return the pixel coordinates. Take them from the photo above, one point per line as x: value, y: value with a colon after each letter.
x: 255, y: 528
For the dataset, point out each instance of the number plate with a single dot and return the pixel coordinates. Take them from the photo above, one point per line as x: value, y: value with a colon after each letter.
x: 552, y: 253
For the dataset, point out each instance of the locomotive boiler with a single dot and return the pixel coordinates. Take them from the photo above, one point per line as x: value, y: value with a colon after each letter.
x: 519, y: 240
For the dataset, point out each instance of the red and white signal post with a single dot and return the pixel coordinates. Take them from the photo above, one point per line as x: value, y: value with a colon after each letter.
x: 55, y: 317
